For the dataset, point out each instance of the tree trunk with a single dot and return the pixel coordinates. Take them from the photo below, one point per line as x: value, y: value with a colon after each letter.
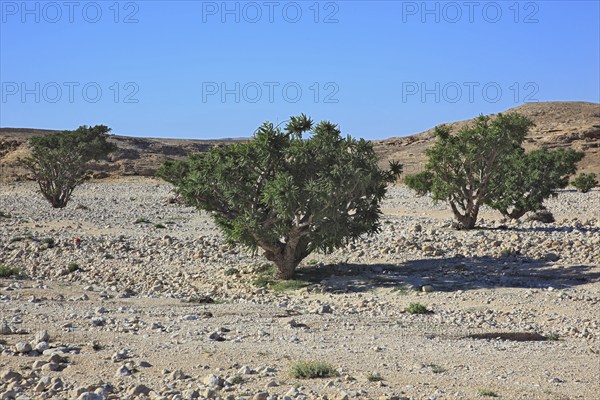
x: 286, y: 257
x: 286, y: 269
x: 468, y: 219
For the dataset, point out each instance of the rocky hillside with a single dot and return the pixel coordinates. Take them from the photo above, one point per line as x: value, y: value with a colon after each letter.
x: 558, y: 125
x: 135, y: 156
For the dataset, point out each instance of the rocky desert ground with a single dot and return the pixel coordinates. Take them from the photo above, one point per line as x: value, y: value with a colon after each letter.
x: 126, y: 294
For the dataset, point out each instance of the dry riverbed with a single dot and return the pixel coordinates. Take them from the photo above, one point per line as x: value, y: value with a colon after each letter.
x: 126, y: 294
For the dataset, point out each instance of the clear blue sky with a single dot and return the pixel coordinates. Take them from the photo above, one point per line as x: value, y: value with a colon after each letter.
x: 194, y: 69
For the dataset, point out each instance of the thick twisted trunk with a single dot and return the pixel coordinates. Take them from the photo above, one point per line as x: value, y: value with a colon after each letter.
x: 287, y: 256
x: 469, y: 218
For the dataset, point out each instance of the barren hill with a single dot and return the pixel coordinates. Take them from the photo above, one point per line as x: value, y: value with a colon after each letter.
x: 558, y: 125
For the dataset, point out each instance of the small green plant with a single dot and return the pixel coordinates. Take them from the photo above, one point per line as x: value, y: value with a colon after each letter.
x: 231, y: 271
x: 49, y: 242
x: 487, y: 393
x: 376, y: 377
x: 553, y: 337
x: 263, y: 281
x: 109, y: 256
x: 266, y: 268
x: 416, y: 308
x: 142, y: 220
x: 28, y: 236
x: 585, y: 182
x: 312, y: 369
x: 312, y: 262
x: 436, y: 369
x: 4, y: 214
x: 290, y: 284
x: 265, y: 276
x: 96, y: 346
x: 236, y: 380
x: 7, y: 271
x: 72, y: 267
x: 159, y: 226
x: 266, y: 279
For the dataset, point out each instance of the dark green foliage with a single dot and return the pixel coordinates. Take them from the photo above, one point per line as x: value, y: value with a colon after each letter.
x: 585, y: 182
x: 312, y: 369
x: 487, y: 393
x: 416, y: 308
x: 72, y: 267
x: 7, y: 271
x: 285, y: 193
x: 236, y: 380
x: 526, y: 180
x: 59, y: 161
x: 374, y: 377
x: 463, y: 169
x: 231, y: 271
x: 420, y: 183
x: 485, y: 163
x: 436, y: 369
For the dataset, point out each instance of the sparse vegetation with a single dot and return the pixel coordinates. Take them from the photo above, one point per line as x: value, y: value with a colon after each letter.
x: 436, y: 369
x: 159, y: 226
x: 72, y: 267
x: 96, y: 346
x: 142, y: 220
x: 49, y: 241
x: 59, y: 161
x: 553, y: 337
x: 487, y: 393
x: 15, y: 239
x: 416, y: 308
x: 236, y: 380
x: 285, y: 193
x: 290, y: 284
x: 4, y: 214
x: 266, y: 279
x: 6, y: 271
x: 312, y: 369
x: 376, y: 377
x: 231, y: 271
x: 585, y: 182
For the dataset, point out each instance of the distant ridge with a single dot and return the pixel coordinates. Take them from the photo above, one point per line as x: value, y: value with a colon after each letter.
x: 558, y: 125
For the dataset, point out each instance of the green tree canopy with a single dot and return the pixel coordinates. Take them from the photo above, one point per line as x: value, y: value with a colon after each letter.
x: 526, y: 180
x: 289, y: 192
x: 59, y: 161
x: 464, y: 168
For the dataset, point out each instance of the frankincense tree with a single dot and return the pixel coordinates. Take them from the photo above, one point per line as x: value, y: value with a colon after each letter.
x: 288, y: 191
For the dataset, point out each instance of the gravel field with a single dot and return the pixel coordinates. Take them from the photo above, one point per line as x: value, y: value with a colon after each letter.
x: 152, y: 303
